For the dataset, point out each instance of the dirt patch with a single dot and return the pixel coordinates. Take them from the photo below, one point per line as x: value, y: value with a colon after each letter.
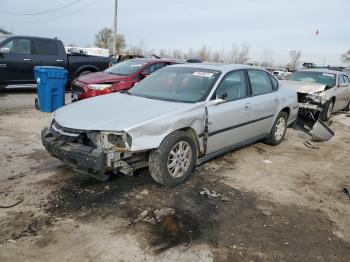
x: 235, y: 227
x: 20, y: 224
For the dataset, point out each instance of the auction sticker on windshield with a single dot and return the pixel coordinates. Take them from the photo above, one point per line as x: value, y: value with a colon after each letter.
x: 203, y: 74
x: 330, y: 75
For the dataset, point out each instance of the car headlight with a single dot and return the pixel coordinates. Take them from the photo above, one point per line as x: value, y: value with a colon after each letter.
x: 317, y: 97
x: 99, y: 86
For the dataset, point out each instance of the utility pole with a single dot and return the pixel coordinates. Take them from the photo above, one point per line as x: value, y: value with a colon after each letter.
x: 115, y: 28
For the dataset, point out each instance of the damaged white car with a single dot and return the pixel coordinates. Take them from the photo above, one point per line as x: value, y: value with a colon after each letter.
x: 321, y: 91
x: 175, y: 119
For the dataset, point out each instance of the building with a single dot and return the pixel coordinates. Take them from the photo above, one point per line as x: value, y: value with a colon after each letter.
x: 4, y: 32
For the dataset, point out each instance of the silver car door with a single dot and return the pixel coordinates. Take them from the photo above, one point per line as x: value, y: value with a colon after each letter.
x: 341, y: 93
x: 266, y: 100
x: 229, y: 122
x: 347, y: 89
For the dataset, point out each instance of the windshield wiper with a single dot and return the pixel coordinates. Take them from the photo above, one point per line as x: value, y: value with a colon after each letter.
x: 126, y: 92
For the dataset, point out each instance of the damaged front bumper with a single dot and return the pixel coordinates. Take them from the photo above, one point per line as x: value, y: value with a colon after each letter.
x: 82, y: 158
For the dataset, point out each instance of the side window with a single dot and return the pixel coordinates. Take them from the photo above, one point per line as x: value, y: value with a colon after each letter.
x: 232, y: 87
x: 43, y: 47
x: 260, y: 82
x: 274, y: 82
x: 19, y: 46
x: 346, y: 78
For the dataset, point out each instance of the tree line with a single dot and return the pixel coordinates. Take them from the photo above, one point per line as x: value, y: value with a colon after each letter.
x: 236, y: 54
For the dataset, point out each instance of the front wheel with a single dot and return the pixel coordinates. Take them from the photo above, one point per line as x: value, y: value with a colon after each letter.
x: 173, y: 162
x: 278, y: 130
x: 327, y: 111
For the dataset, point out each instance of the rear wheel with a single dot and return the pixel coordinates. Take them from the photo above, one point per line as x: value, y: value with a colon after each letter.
x: 173, y: 162
x: 278, y: 130
x: 327, y: 110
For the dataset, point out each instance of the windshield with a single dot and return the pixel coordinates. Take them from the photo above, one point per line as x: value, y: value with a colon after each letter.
x: 179, y: 84
x: 126, y: 68
x: 2, y: 38
x: 314, y: 77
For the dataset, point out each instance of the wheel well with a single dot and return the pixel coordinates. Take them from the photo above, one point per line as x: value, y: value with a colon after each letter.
x: 91, y: 69
x: 189, y: 129
x: 287, y: 110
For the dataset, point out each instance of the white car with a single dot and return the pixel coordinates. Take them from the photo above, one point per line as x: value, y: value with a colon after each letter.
x: 281, y: 73
x: 321, y: 91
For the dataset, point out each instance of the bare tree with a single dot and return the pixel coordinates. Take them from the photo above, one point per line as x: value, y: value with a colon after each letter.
x: 216, y: 57
x: 267, y: 58
x: 346, y: 57
x: 294, y: 59
x: 204, y: 53
x: 177, y: 54
x: 232, y: 57
x: 104, y: 39
x: 243, y: 54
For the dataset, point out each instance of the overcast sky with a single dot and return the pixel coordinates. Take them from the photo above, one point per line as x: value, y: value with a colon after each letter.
x: 277, y: 25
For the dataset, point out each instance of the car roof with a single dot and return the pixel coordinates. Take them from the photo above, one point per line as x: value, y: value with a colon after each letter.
x: 321, y: 70
x: 217, y: 66
x: 150, y: 60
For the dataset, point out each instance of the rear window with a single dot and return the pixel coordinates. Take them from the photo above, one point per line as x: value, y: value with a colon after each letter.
x: 127, y: 67
x: 328, y: 79
x: 46, y: 48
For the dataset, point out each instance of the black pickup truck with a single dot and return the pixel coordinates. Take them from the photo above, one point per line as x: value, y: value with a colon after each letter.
x: 19, y: 55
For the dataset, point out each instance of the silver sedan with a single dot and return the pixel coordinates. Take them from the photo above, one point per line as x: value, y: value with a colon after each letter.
x: 174, y: 120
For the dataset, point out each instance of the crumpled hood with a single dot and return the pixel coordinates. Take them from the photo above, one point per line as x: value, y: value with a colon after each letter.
x: 115, y: 112
x: 303, y: 87
x: 100, y: 77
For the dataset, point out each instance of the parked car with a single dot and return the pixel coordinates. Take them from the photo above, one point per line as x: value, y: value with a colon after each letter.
x: 321, y: 91
x: 119, y: 77
x: 281, y: 73
x: 175, y: 119
x: 20, y: 54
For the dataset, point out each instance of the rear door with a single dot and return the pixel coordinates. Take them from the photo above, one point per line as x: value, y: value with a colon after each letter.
x: 266, y: 100
x: 229, y: 122
x: 18, y: 64
x: 48, y: 53
x: 342, y: 92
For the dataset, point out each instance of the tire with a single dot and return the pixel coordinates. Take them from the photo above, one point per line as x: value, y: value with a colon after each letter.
x: 36, y: 103
x: 327, y: 110
x: 164, y: 161
x: 85, y: 73
x: 347, y: 108
x: 278, y: 130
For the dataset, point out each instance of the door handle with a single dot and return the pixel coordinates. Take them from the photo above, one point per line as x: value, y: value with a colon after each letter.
x: 27, y: 59
x: 247, y: 106
x: 59, y: 60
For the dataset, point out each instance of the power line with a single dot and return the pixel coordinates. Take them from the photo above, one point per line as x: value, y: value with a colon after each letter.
x: 43, y: 12
x: 57, y: 17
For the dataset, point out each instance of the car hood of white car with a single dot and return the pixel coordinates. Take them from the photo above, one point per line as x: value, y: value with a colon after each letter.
x: 303, y: 87
x: 116, y: 112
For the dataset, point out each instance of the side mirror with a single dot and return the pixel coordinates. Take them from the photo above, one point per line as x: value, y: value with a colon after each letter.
x: 4, y: 50
x: 144, y: 74
x: 215, y: 102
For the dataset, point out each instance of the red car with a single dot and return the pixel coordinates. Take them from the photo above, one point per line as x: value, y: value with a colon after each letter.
x: 121, y: 76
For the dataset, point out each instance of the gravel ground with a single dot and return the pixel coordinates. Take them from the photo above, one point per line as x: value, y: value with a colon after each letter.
x: 289, y: 208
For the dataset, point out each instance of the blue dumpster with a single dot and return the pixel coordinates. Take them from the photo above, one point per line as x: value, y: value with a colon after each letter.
x: 51, y: 82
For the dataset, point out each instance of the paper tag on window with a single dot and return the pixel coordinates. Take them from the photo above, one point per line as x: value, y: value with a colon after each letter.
x: 330, y: 75
x: 203, y: 74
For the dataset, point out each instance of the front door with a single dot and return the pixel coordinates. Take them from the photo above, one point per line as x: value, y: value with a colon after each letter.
x: 17, y: 65
x: 229, y: 122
